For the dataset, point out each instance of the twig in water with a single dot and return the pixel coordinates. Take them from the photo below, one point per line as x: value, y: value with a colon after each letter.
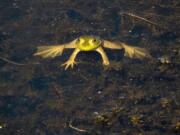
x: 141, y: 18
x: 77, y: 129
x: 14, y: 63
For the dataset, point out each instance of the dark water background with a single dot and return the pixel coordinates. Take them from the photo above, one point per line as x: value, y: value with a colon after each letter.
x: 133, y: 97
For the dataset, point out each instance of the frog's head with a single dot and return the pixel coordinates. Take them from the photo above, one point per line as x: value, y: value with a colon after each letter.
x: 88, y: 43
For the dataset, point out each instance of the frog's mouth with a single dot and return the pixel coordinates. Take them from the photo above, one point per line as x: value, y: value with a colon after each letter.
x: 85, y: 45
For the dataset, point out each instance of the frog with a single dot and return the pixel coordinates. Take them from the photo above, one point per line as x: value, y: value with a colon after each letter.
x: 86, y: 43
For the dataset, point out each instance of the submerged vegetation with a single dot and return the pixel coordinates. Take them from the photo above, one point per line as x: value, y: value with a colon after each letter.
x: 130, y: 97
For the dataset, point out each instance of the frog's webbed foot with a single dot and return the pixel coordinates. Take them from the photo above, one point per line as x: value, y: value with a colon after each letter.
x: 135, y: 52
x: 54, y: 50
x: 49, y: 51
x: 69, y: 63
x: 71, y: 60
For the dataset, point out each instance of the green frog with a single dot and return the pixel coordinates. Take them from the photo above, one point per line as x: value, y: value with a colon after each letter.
x: 90, y: 43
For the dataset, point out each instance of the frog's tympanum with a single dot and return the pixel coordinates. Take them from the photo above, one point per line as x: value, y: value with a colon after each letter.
x: 90, y: 43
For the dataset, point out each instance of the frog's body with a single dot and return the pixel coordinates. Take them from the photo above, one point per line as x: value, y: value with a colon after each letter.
x: 89, y: 43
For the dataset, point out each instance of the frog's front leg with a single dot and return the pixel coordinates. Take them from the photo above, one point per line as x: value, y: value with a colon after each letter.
x: 103, y: 55
x: 71, y: 60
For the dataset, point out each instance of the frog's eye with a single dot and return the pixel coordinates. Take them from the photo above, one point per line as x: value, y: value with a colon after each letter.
x: 94, y: 40
x: 80, y: 40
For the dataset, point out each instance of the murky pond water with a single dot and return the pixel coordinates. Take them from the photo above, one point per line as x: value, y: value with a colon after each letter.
x: 131, y: 97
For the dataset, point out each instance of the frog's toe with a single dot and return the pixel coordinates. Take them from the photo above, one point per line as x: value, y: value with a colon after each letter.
x: 69, y: 63
x: 66, y: 64
x: 72, y: 64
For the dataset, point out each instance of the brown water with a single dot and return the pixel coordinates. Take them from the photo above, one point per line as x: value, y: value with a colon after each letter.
x: 133, y: 97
